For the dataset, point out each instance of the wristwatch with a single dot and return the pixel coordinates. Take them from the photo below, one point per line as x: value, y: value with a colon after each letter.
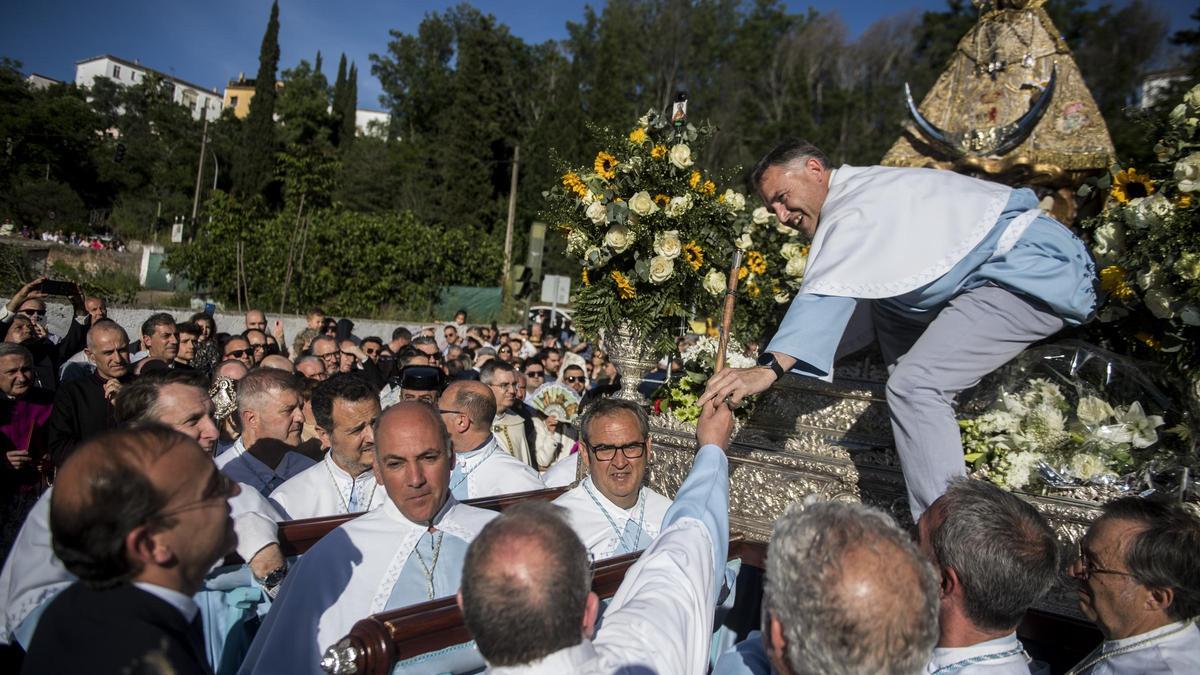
x: 767, y: 360
x: 273, y: 579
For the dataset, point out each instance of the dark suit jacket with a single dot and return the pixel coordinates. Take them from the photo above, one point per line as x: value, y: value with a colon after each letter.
x: 116, y: 630
x: 48, y: 357
x: 80, y: 412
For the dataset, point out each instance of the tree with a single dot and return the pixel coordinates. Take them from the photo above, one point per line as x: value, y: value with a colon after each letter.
x: 339, y: 102
x: 255, y: 167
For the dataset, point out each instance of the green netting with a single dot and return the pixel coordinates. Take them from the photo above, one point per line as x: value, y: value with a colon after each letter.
x: 482, y: 304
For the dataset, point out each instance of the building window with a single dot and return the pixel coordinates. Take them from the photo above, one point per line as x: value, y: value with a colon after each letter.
x: 233, y: 101
x: 116, y: 72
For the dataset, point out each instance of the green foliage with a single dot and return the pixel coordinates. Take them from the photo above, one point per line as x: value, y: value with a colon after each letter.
x: 254, y: 169
x: 115, y: 286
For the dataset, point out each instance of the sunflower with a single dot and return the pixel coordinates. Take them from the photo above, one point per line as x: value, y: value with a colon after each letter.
x: 693, y: 255
x: 742, y: 272
x: 606, y: 165
x: 753, y: 289
x: 1129, y: 184
x: 694, y: 180
x: 1112, y: 281
x: 757, y: 262
x: 709, y: 188
x: 571, y: 181
x: 624, y: 288
x: 662, y: 200
x: 1183, y: 201
x: 584, y: 277
x: 658, y: 151
x: 638, y: 136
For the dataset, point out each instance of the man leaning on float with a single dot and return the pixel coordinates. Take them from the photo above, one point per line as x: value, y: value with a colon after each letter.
x: 954, y: 276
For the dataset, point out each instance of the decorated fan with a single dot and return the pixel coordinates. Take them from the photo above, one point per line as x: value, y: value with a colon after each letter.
x: 555, y: 398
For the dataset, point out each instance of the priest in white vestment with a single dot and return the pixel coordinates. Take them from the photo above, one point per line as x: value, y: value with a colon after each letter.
x: 407, y: 551
x: 271, y: 411
x: 481, y: 467
x: 953, y: 275
x: 1139, y: 581
x: 611, y: 510
x: 345, y: 408
x: 659, y: 621
x: 508, y: 426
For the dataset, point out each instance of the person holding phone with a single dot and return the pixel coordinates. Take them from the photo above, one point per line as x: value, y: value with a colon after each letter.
x: 48, y: 356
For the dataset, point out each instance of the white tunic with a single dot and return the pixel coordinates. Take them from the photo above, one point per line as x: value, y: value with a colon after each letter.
x: 325, y: 489
x: 1173, y: 648
x: 348, y: 575
x: 245, y: 468
x: 33, y: 575
x: 562, y: 473
x: 509, y: 429
x: 607, y: 529
x: 490, y: 471
x: 1002, y: 656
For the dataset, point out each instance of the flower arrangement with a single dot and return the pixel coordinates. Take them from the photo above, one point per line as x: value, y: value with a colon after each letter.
x: 1147, y: 246
x: 678, y: 397
x: 654, y: 237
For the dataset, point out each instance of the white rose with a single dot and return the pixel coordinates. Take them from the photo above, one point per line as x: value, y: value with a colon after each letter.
x: 1110, y: 240
x: 1158, y: 208
x: 596, y: 257
x: 791, y: 250
x: 744, y: 242
x: 661, y: 269
x: 681, y: 156
x: 782, y: 296
x: 1094, y: 411
x: 597, y: 213
x: 1159, y: 302
x: 795, y: 266
x: 642, y: 204
x: 734, y: 201
x: 1187, y: 172
x: 1087, y: 466
x: 761, y: 216
x: 785, y: 229
x: 618, y: 238
x: 1178, y: 112
x: 1136, y: 215
x: 667, y: 244
x: 714, y: 282
x: 678, y: 206
x: 590, y: 197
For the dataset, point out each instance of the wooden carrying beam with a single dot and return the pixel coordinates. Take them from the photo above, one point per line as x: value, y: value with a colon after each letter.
x: 297, y: 536
x: 378, y: 642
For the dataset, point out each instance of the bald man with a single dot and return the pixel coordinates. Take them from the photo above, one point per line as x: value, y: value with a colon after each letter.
x: 278, y: 363
x: 164, y: 508
x: 84, y: 407
x: 407, y: 551
x: 481, y: 467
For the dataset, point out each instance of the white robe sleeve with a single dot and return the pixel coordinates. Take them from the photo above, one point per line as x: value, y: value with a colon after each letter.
x: 254, y: 520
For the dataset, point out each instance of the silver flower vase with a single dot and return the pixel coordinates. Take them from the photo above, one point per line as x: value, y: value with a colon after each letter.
x: 634, y: 356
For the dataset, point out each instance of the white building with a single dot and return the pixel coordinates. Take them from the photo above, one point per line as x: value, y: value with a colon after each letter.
x: 125, y: 73
x: 371, y: 122
x: 1157, y: 84
x: 36, y: 81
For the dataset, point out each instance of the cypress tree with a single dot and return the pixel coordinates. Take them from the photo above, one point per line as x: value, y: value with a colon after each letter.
x: 256, y: 166
x: 349, y: 105
x: 339, y: 101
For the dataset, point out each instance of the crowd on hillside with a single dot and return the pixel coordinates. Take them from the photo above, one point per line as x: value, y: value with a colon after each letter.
x: 145, y: 481
x: 95, y: 243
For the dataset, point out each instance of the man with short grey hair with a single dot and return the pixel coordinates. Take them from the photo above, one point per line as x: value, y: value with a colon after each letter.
x: 847, y: 592
x: 270, y: 413
x: 997, y: 556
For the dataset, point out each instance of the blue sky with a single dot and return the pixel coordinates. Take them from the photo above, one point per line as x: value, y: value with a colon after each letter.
x: 209, y: 42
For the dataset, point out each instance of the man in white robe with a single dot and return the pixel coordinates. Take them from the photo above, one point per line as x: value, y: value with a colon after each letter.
x: 1140, y: 583
x: 481, y: 467
x: 953, y: 275
x: 345, y: 408
x: 271, y: 411
x: 526, y: 597
x: 508, y: 426
x: 407, y: 551
x: 611, y: 510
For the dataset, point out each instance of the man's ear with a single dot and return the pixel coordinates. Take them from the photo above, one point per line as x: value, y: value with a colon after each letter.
x: 586, y: 456
x: 590, y: 611
x: 248, y: 418
x: 458, y: 600
x: 776, y: 643
x: 950, y: 583
x: 143, y: 545
x: 324, y: 437
x: 1159, y: 599
x: 90, y: 356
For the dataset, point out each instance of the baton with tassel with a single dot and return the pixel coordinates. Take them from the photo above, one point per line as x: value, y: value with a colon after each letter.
x: 727, y: 312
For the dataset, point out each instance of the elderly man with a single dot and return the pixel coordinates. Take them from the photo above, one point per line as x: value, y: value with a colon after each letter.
x: 23, y: 320
x: 997, y: 556
x: 345, y: 408
x: 847, y: 592
x: 160, y: 337
x: 238, y: 348
x: 24, y: 411
x: 326, y: 348
x: 270, y: 412
x: 611, y: 510
x: 256, y: 320
x: 156, y: 494
x: 410, y: 550
x: 526, y: 599
x: 481, y: 467
x: 1140, y: 583
x: 515, y: 435
x: 957, y: 276
x: 83, y: 407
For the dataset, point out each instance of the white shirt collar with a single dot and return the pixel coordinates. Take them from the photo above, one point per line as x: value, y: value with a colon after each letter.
x: 1110, y: 645
x: 340, y: 475
x: 568, y: 660
x: 186, y: 606
x: 945, y: 656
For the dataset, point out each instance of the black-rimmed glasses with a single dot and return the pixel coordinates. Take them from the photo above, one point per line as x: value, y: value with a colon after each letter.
x: 605, y: 453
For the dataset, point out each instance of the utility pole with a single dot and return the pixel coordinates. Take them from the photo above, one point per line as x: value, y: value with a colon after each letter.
x: 200, y: 164
x: 506, y: 274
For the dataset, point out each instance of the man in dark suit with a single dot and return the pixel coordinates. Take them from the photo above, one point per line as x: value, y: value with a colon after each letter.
x: 139, y: 516
x: 84, y: 407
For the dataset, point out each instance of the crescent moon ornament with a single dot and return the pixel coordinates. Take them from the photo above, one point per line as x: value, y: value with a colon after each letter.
x: 983, y: 142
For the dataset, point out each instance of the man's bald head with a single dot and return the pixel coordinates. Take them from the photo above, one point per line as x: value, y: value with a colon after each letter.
x: 847, y: 592
x: 231, y: 369
x: 104, y: 327
x: 473, y: 398
x: 525, y: 585
x: 278, y: 363
x: 104, y: 490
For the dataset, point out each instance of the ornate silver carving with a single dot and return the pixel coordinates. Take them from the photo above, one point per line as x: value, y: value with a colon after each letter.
x: 341, y: 658
x: 633, y: 356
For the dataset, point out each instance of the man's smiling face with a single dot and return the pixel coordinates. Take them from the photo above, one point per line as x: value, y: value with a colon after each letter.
x: 795, y: 193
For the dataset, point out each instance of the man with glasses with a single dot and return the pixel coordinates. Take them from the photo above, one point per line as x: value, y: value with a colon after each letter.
x: 258, y: 345
x: 238, y: 348
x: 481, y: 467
x: 514, y: 434
x: 83, y: 407
x: 611, y: 510
x: 326, y: 348
x: 1139, y: 581
x: 159, y: 496
x: 23, y: 321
